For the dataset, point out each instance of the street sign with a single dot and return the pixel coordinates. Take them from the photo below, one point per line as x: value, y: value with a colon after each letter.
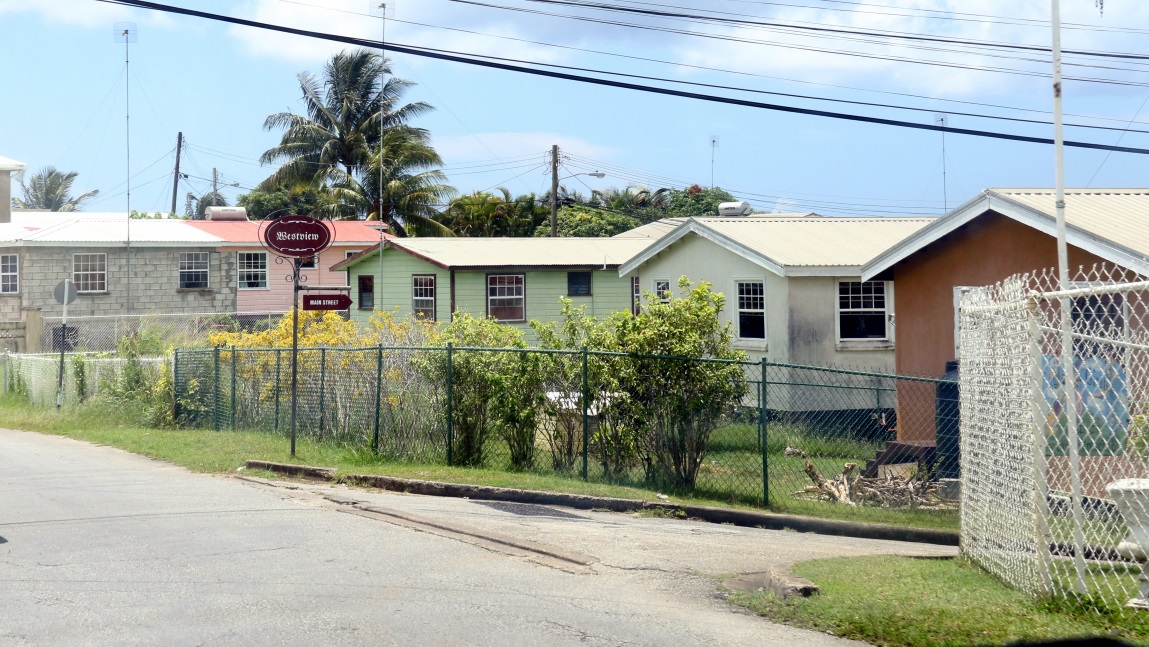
x: 297, y: 236
x: 65, y: 292
x: 326, y: 302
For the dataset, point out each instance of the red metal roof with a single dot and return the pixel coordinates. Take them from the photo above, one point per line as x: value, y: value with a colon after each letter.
x: 346, y: 231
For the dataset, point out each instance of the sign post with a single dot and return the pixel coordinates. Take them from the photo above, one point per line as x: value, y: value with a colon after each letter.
x: 65, y: 293
x: 295, y: 238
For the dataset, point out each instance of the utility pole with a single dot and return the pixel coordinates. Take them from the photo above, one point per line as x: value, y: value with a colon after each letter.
x: 176, y: 178
x: 214, y: 185
x: 713, y: 149
x: 554, y: 190
x: 943, y: 120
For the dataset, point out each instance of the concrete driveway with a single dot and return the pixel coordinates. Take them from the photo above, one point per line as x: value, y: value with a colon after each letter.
x: 104, y: 547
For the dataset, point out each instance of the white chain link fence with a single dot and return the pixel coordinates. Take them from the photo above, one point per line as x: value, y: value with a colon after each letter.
x: 86, y: 375
x: 158, y: 332
x: 1036, y: 510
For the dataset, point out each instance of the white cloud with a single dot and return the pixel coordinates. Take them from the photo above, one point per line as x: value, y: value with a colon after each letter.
x: 350, y: 18
x: 83, y: 13
x: 782, y: 56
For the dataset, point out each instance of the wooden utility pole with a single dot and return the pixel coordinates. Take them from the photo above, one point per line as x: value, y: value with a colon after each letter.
x: 554, y: 190
x: 176, y: 178
x: 214, y: 185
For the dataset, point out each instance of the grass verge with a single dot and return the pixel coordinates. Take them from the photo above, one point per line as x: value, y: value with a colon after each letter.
x: 117, y: 424
x: 900, y: 601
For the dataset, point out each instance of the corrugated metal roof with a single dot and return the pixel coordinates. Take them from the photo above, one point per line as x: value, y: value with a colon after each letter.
x: 346, y: 231
x: 11, y: 232
x: 1119, y: 215
x: 808, y: 241
x: 94, y: 232
x: 653, y: 230
x: 1111, y: 223
x: 521, y: 252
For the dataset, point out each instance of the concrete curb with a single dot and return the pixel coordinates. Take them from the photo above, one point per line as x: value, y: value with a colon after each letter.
x: 779, y: 580
x: 307, y: 471
x: 745, y: 518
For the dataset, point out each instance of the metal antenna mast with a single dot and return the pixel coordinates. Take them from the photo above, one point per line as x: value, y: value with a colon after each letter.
x: 943, y: 120
x: 380, y: 10
x: 125, y: 32
x: 713, y: 148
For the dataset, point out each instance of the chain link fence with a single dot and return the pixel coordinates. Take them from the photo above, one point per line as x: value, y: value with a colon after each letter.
x: 85, y: 376
x: 1055, y: 397
x: 159, y: 332
x: 746, y: 432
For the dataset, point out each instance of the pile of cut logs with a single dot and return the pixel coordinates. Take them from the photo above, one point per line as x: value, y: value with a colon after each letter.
x: 852, y: 489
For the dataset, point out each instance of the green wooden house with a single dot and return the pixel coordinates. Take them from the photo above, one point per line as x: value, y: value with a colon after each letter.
x: 513, y: 280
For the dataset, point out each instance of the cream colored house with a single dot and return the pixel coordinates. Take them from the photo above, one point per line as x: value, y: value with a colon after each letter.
x: 793, y: 285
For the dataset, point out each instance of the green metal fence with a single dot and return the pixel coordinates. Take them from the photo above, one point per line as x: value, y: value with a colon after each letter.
x: 749, y: 432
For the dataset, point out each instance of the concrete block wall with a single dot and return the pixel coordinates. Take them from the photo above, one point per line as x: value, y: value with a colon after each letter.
x: 154, y: 282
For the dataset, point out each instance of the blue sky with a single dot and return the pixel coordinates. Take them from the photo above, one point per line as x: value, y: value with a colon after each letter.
x: 64, y: 93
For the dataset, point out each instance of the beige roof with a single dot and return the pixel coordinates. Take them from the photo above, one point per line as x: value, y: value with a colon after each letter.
x: 652, y: 230
x: 1111, y: 223
x: 96, y: 232
x: 520, y: 252
x: 794, y: 246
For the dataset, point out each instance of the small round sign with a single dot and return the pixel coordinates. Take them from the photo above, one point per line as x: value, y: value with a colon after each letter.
x: 65, y: 292
x: 296, y: 236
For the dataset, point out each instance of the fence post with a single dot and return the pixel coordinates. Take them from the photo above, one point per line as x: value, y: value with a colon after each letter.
x: 450, y: 397
x: 215, y: 391
x: 762, y: 427
x: 277, y: 358
x: 1040, y: 463
x: 585, y: 419
x: 322, y: 387
x: 378, y: 398
x: 175, y: 385
x: 234, y: 360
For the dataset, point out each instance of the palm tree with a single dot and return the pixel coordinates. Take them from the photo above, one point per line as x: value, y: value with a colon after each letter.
x: 335, y: 147
x: 49, y: 190
x: 412, y: 188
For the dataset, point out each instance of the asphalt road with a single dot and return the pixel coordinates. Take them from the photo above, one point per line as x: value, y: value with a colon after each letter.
x: 98, y: 546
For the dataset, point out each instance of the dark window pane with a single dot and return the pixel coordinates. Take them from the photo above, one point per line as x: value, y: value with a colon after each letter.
x: 752, y: 325
x: 863, y: 325
x: 578, y: 284
x: 366, y: 292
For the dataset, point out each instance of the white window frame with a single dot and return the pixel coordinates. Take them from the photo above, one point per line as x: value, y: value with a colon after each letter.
x: 887, y: 312
x: 100, y: 277
x: 347, y: 255
x: 521, y: 296
x: 9, y: 274
x: 659, y: 295
x: 738, y: 309
x: 416, y: 298
x: 184, y: 269
x: 240, y: 270
x: 635, y: 295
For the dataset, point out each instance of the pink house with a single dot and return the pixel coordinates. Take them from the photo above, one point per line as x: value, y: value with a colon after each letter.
x: 262, y: 284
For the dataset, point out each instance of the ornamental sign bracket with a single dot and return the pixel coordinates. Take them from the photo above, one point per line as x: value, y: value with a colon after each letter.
x: 297, y: 238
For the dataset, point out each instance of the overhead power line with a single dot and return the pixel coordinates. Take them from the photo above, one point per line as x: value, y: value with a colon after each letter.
x: 447, y: 55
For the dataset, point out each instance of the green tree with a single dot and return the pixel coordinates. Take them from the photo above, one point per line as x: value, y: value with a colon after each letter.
x: 634, y: 198
x: 198, y: 206
x: 50, y: 189
x: 260, y: 204
x: 485, y: 214
x: 580, y: 221
x: 339, y: 145
x: 694, y: 201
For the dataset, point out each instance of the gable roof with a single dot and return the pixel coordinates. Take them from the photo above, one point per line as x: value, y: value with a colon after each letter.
x: 479, y: 253
x: 793, y: 245
x: 347, y: 232
x: 1110, y: 223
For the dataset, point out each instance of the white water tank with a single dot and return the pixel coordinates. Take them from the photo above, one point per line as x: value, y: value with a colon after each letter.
x: 733, y: 209
x: 225, y: 213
